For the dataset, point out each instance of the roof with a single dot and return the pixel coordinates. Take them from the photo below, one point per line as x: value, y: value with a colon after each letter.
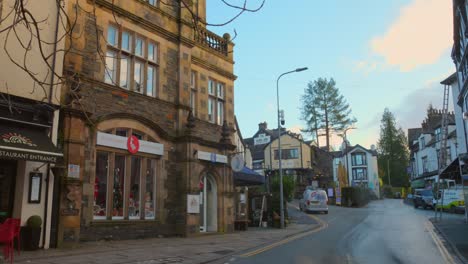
x: 449, y: 80
x: 413, y: 134
x: 338, y: 154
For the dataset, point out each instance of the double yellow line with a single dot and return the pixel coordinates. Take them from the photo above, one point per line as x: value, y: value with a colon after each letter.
x: 448, y: 259
x: 322, y: 225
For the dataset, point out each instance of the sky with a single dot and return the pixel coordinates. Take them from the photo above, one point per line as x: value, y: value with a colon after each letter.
x: 386, y: 53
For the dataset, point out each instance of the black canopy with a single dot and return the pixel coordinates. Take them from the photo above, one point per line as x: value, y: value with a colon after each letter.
x: 27, y: 143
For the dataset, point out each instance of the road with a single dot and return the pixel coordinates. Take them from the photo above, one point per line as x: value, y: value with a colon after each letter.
x: 386, y: 231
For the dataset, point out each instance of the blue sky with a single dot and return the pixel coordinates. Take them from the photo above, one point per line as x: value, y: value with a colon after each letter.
x: 390, y: 53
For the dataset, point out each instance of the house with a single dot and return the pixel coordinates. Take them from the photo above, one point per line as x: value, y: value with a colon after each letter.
x: 459, y: 81
x: 359, y: 165
x: 29, y: 114
x: 308, y: 164
x: 147, y: 121
x: 257, y: 143
x: 424, y: 144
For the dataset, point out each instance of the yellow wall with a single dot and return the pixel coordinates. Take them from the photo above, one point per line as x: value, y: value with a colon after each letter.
x: 288, y: 142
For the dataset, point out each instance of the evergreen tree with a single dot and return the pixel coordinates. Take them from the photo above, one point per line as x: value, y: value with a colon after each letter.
x: 393, y: 152
x: 325, y: 109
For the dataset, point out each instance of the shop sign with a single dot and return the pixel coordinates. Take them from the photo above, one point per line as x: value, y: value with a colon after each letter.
x: 114, y: 141
x: 32, y: 156
x: 213, y: 157
x: 133, y: 145
x: 261, y: 139
x: 193, y: 203
x: 15, y: 138
x: 73, y: 171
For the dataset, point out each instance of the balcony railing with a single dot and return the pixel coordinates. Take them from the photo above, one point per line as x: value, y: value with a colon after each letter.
x: 211, y: 40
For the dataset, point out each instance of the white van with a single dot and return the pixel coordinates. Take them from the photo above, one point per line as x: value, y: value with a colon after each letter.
x: 314, y: 201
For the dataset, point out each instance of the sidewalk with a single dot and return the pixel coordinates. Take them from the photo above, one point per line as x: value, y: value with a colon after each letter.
x: 455, y: 231
x: 199, y: 249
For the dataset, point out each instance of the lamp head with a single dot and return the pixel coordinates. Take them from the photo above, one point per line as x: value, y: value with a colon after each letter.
x: 301, y: 69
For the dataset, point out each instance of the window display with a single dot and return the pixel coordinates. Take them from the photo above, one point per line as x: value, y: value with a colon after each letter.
x: 100, y: 186
x: 119, y: 187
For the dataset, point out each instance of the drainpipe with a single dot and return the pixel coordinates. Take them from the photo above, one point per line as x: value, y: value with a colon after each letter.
x: 52, y: 79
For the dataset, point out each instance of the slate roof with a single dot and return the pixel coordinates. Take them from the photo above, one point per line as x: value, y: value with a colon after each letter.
x: 413, y: 134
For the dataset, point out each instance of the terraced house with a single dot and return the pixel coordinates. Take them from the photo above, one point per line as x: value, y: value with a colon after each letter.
x: 147, y: 122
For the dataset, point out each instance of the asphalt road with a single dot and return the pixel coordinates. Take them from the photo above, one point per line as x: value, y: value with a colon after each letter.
x: 384, y: 232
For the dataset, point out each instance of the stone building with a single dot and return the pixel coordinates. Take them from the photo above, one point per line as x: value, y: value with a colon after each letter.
x: 147, y: 118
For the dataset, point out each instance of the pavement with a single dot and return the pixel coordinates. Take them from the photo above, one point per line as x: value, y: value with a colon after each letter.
x: 200, y: 249
x: 454, y: 230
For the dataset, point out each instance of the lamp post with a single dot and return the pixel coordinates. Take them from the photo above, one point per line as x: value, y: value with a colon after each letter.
x: 279, y: 142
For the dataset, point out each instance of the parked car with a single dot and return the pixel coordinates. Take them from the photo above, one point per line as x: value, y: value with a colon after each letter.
x: 314, y: 201
x: 423, y: 198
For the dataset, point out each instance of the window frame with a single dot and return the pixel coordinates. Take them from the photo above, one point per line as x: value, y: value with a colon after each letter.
x: 143, y: 176
x: 133, y: 59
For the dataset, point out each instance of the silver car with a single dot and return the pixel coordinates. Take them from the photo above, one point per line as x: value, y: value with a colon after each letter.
x: 314, y: 201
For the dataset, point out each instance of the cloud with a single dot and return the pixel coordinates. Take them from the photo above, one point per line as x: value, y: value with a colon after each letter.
x: 365, y: 66
x: 419, y: 36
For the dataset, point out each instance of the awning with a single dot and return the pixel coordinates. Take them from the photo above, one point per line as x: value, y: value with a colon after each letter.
x: 27, y: 143
x: 248, y: 177
x: 452, y: 171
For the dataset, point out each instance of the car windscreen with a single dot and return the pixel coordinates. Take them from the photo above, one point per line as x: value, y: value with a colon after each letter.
x: 426, y: 193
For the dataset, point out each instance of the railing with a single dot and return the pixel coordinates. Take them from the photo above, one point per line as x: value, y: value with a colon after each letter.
x: 211, y: 40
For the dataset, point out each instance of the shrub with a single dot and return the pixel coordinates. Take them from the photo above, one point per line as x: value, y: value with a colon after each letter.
x: 34, y: 221
x: 355, y: 196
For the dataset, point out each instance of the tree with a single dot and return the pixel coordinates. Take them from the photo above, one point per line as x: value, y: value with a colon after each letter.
x: 393, y: 152
x: 325, y: 109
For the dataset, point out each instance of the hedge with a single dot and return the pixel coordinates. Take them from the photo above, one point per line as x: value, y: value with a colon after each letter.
x: 355, y: 196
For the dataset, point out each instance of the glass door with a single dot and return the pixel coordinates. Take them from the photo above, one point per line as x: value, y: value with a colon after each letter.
x: 7, y: 188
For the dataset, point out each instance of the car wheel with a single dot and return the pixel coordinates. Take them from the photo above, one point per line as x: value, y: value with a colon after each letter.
x: 326, y: 212
x: 415, y: 206
x: 452, y: 209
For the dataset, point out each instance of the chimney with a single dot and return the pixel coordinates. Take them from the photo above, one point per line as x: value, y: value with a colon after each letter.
x: 262, y: 126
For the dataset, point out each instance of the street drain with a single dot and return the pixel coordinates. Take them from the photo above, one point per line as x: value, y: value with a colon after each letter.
x: 223, y: 252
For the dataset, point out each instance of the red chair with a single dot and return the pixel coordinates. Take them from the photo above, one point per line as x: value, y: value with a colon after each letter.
x: 7, y: 237
x: 16, y: 223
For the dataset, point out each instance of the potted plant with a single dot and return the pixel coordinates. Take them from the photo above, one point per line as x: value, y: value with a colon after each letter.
x: 31, y: 233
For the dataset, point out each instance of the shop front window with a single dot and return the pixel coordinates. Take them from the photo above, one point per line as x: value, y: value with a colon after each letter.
x: 125, y: 184
x: 150, y: 195
x: 100, y: 185
x: 134, y: 198
x: 119, y: 187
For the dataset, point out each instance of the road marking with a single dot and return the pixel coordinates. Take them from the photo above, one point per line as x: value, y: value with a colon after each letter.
x: 322, y: 225
x: 444, y: 252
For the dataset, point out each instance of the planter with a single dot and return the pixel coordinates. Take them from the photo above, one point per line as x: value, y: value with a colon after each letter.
x: 30, y: 237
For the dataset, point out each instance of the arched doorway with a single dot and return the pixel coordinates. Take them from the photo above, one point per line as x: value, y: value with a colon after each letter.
x: 209, y: 205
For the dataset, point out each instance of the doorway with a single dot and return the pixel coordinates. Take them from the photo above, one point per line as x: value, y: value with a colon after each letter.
x: 209, y: 205
x: 7, y: 188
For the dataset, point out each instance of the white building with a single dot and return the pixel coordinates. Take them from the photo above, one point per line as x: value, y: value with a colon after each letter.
x: 425, y: 144
x: 361, y: 166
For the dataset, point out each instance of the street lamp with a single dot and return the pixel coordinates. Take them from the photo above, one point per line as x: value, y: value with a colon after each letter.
x: 279, y: 140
